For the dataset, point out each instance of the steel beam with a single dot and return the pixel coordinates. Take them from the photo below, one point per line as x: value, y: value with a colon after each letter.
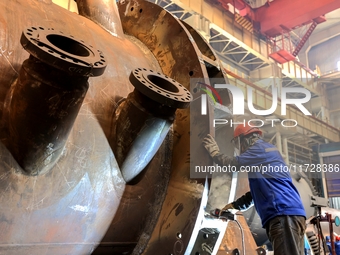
x: 300, y: 75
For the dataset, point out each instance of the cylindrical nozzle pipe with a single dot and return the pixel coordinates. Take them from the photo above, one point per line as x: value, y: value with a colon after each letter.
x: 102, y: 12
x: 143, y: 120
x: 45, y: 99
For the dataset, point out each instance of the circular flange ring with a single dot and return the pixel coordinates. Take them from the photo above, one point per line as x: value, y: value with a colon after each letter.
x: 160, y: 88
x: 63, y: 51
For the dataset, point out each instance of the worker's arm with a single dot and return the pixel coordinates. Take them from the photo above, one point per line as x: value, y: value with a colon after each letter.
x: 241, y: 203
x: 214, y: 151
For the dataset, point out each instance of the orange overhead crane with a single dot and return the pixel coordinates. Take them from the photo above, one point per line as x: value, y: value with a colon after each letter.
x: 291, y: 14
x: 278, y: 18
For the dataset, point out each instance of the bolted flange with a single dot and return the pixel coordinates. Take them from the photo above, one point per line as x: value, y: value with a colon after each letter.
x: 160, y: 88
x: 63, y: 51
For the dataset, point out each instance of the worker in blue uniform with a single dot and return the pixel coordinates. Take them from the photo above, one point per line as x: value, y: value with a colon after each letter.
x: 275, y: 197
x: 336, y: 245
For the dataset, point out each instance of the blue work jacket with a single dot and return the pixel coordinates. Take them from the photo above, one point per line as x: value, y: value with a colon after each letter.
x: 271, y: 185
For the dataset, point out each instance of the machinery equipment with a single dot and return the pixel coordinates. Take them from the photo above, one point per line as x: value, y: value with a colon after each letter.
x: 71, y: 142
x: 101, y: 165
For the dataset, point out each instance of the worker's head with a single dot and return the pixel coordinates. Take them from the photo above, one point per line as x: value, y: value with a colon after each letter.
x: 245, y: 136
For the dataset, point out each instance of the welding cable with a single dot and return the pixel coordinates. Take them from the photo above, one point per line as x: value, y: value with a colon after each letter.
x: 318, y: 228
x: 242, y: 234
x: 321, y: 236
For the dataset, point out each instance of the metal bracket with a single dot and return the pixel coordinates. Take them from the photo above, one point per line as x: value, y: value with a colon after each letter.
x: 319, y: 201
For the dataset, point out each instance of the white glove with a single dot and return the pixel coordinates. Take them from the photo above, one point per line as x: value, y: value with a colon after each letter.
x: 211, y: 145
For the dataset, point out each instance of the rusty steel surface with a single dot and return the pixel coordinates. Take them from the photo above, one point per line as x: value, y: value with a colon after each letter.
x: 168, y: 40
x: 68, y: 209
x: 179, y: 220
x: 102, y: 12
x: 203, y: 46
x: 233, y: 238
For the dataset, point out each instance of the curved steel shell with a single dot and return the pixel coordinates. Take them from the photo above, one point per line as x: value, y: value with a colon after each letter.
x: 83, y: 199
x: 68, y: 209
